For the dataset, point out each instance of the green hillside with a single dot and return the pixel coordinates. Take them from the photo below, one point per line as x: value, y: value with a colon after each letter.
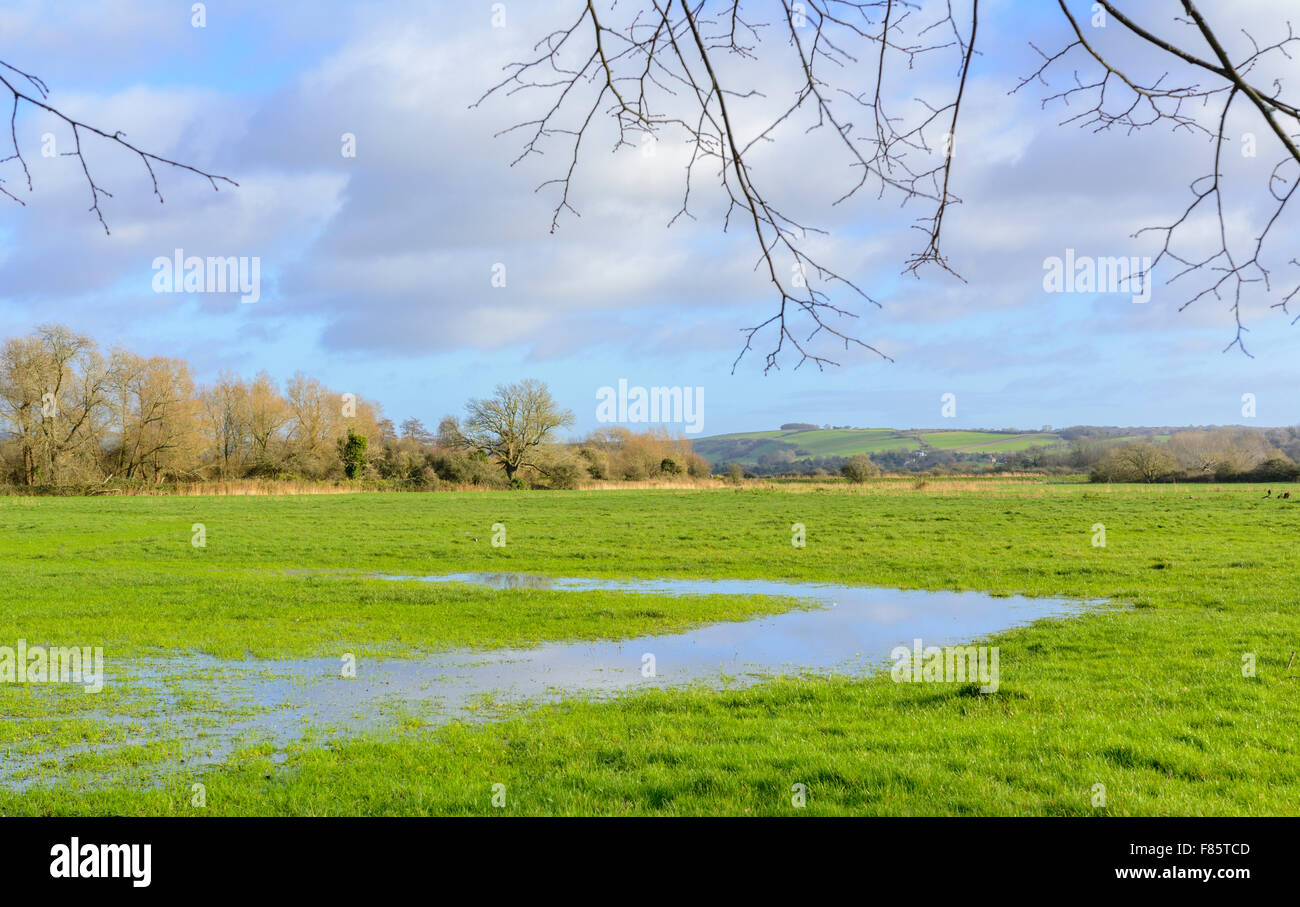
x: 988, y: 441
x: 748, y: 448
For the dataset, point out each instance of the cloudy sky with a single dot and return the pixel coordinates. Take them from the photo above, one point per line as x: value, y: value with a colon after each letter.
x: 377, y: 269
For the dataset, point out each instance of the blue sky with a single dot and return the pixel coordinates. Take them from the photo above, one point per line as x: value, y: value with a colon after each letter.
x: 377, y: 269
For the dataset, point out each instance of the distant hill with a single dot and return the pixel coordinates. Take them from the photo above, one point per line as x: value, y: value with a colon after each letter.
x: 756, y: 448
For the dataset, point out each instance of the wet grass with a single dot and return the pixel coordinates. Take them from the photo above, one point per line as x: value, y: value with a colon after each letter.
x: 1149, y: 701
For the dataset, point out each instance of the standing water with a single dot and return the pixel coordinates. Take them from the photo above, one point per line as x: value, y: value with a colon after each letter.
x: 847, y: 630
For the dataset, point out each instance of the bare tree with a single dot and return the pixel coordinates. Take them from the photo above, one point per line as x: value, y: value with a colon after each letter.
x: 74, y: 379
x: 515, y: 423
x: 52, y: 398
x: 1204, y: 452
x: 224, y: 416
x: 667, y: 67
x: 154, y: 411
x: 312, y: 411
x: 268, y: 413
x: 1140, y: 461
x: 449, y: 435
x: 414, y: 430
x: 21, y: 393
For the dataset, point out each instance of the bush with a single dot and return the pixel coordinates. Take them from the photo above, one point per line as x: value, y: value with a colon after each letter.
x: 555, y: 466
x: 735, y: 474
x: 859, y: 468
x: 697, y: 467
x: 1276, y: 469
x: 425, y: 478
x: 558, y: 468
x: 352, y: 451
x: 466, y: 468
x: 596, y: 462
x: 564, y: 475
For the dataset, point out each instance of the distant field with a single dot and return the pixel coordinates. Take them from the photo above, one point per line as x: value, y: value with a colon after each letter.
x: 747, y: 447
x: 1127, y: 438
x: 988, y: 441
x: 846, y: 442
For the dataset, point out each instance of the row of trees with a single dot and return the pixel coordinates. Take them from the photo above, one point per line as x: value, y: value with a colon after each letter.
x: 71, y: 415
x: 461, y: 453
x: 1225, y: 455
x: 1107, y: 454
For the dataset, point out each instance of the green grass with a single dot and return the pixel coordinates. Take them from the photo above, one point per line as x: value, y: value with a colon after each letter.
x: 816, y: 443
x: 1147, y: 698
x: 291, y: 575
x: 846, y: 442
x: 988, y: 441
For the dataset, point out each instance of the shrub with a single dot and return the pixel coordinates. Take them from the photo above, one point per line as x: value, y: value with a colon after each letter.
x: 352, y: 451
x: 859, y: 468
x: 466, y: 468
x: 1275, y: 469
x: 697, y: 467
x: 564, y: 475
x: 596, y: 462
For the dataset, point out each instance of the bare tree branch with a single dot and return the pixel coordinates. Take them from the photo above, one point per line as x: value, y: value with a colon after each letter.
x: 661, y: 67
x: 38, y: 100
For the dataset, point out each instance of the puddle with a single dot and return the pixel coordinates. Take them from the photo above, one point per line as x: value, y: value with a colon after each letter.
x: 847, y: 630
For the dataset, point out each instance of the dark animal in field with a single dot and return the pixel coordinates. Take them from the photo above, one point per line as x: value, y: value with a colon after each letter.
x: 1287, y: 495
x: 1268, y: 493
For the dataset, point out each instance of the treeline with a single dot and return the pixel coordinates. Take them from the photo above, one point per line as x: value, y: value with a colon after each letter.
x: 1222, y: 455
x: 73, y: 417
x: 419, y: 459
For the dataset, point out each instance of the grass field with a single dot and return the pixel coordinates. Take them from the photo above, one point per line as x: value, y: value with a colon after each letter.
x: 1146, y: 697
x: 987, y: 441
x: 816, y: 443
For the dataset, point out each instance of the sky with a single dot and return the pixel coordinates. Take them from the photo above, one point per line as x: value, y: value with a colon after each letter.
x: 377, y: 270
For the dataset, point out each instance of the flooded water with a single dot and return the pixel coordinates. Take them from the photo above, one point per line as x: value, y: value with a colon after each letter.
x: 846, y: 630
